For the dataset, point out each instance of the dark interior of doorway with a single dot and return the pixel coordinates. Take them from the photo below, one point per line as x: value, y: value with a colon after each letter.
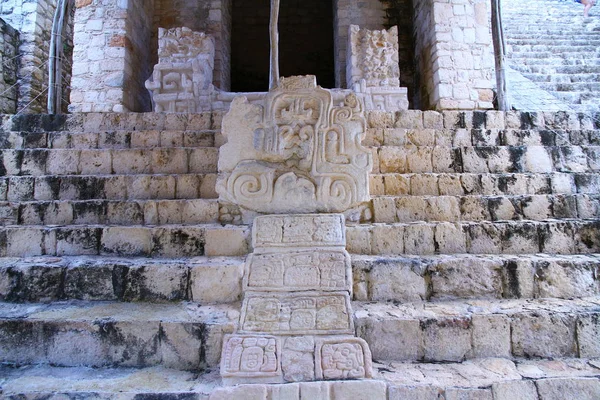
x: 305, y: 42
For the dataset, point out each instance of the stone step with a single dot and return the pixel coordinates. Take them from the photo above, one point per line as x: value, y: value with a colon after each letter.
x: 211, y: 280
x: 104, y: 278
x: 570, y: 87
x: 548, y: 59
x: 185, y: 336
x: 411, y: 208
x: 94, y: 122
x: 510, y: 237
x: 176, y: 160
x: 519, y: 42
x: 458, y: 184
x: 460, y: 330
x: 486, y: 378
x: 110, y: 212
x: 107, y: 187
x: 480, y: 137
x: 106, y: 139
x: 564, y: 78
x: 564, y: 48
x: 402, y: 279
x: 571, y: 70
x: 487, y: 159
x: 144, y: 241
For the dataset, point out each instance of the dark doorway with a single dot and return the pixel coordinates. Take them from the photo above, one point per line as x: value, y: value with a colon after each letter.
x: 305, y: 42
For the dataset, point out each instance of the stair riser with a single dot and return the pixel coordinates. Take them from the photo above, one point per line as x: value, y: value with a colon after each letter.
x: 179, y: 241
x: 106, y: 140
x: 482, y: 184
x: 112, y: 213
x: 104, y: 162
x: 473, y: 208
x: 415, y: 279
x: 576, y: 237
x: 116, y: 187
x: 400, y: 279
x: 490, y: 159
x: 123, y: 280
x: 479, y: 137
x: 495, y: 335
x: 106, y: 343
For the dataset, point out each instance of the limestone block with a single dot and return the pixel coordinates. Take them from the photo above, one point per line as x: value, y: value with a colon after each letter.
x: 537, y: 208
x: 586, y: 236
x: 170, y: 161
x: 446, y: 159
x: 217, y: 283
x: 342, y: 358
x: 77, y: 241
x: 23, y: 242
x: 515, y: 390
x: 34, y: 162
x: 145, y: 139
x: 326, y: 270
x: 419, y: 239
x: 395, y: 136
x: 298, y: 359
x: 393, y: 159
x: 443, y: 208
x: 564, y: 279
x: 63, y: 162
x: 296, y: 153
x: 85, y: 283
x: 179, y: 345
x: 415, y: 392
x: 376, y: 185
x: 289, y: 391
x: 358, y: 390
x: 519, y: 278
x: 449, y: 185
x: 396, y: 185
x: 299, y: 230
x: 207, y: 187
x: 74, y: 343
x: 296, y: 313
x: 424, y: 184
x: 504, y: 209
x: 144, y: 187
x: 126, y: 241
x: 384, y: 209
x: 179, y: 242
x: 466, y: 277
x: 411, y: 209
x: 132, y: 161
x: 251, y: 358
x: 537, y: 159
x: 450, y: 238
x: 148, y: 283
x: 484, y: 239
x: 359, y: 239
x: 575, y: 388
x: 124, y: 213
x: 491, y: 336
x: 203, y: 160
x: 447, y: 339
x: 31, y: 283
x: 392, y: 339
x: 387, y: 239
x: 520, y: 239
x: 468, y: 394
x: 226, y: 241
x: 588, y: 331
x: 543, y: 335
x: 420, y: 159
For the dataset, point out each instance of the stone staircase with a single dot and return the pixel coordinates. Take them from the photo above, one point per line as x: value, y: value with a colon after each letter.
x: 553, y: 45
x: 475, y: 267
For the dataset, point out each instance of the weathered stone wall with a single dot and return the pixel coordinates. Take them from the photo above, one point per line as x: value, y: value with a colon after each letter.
x: 454, y: 54
x: 8, y: 68
x: 208, y: 16
x: 138, y: 65
x: 33, y: 20
x: 368, y: 14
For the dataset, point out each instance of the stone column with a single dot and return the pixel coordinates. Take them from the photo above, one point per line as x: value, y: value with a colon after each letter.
x: 455, y: 54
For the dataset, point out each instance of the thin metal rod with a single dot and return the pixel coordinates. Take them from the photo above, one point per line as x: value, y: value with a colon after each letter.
x: 274, y: 34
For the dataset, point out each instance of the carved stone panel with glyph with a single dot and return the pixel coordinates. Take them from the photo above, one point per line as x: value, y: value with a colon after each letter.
x: 290, y: 231
x: 297, y: 152
x: 297, y: 313
x: 257, y: 358
x: 327, y: 270
x: 342, y: 358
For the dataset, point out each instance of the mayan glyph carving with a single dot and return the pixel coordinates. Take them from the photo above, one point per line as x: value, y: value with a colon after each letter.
x: 342, y: 358
x: 373, y: 70
x: 295, y: 153
x: 296, y: 308
x: 257, y: 357
x: 182, y: 79
x: 299, y: 270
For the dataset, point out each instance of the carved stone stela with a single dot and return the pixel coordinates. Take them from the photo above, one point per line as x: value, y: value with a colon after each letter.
x: 297, y: 152
x: 296, y: 322
x: 182, y: 79
x: 373, y: 70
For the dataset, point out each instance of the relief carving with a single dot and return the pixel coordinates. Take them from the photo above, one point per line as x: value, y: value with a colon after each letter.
x: 295, y: 153
x: 342, y: 358
x: 297, y: 231
x: 373, y: 68
x: 247, y: 356
x: 299, y: 270
x: 296, y: 313
x: 182, y: 79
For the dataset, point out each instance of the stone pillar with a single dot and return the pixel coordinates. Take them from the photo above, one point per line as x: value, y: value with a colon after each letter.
x: 9, y: 41
x: 455, y: 54
x: 111, y: 55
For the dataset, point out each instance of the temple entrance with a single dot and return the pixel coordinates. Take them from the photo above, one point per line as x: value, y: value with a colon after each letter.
x: 305, y: 42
